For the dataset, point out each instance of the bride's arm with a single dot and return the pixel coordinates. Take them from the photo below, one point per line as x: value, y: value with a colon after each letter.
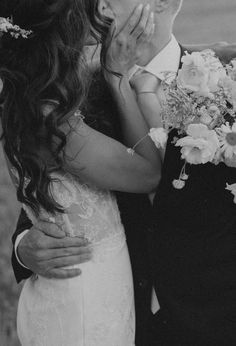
x: 101, y: 160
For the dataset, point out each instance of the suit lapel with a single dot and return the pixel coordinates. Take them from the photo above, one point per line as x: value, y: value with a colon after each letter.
x: 182, y: 53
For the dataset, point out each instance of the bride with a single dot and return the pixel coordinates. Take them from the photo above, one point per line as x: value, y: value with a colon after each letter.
x: 65, y: 170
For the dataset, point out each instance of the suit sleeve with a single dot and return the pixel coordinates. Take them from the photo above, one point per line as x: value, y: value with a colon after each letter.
x: 20, y: 272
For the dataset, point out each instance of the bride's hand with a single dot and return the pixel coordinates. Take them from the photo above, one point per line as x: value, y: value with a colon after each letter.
x: 145, y: 82
x: 124, y: 48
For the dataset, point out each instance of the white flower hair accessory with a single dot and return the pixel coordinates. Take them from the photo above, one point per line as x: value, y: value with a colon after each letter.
x: 7, y: 26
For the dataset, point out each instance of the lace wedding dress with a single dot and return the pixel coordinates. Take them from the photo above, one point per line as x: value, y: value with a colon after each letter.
x: 96, y: 308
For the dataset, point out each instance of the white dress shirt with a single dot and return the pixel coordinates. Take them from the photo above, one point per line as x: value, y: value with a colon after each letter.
x: 167, y: 60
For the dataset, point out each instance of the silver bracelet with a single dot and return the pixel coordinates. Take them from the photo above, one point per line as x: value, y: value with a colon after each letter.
x: 131, y: 151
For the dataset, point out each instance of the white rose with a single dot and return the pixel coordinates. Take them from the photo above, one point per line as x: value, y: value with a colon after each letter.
x: 216, y: 72
x: 214, y: 79
x: 193, y: 75
x: 200, y: 146
x: 201, y: 73
x: 159, y: 137
x: 230, y: 85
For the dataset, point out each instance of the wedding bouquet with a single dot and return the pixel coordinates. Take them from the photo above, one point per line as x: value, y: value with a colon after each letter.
x: 200, y: 103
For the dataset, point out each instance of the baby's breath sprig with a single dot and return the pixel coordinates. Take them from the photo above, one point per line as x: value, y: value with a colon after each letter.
x: 7, y: 27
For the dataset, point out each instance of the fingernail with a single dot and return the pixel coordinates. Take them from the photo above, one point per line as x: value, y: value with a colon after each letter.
x: 148, y: 7
x: 152, y: 15
x: 84, y: 240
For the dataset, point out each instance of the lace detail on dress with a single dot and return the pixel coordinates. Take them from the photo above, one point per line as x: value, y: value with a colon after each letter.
x: 96, y: 308
x: 89, y: 212
x: 104, y: 333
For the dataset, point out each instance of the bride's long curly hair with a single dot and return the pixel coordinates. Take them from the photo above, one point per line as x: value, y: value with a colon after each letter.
x: 49, y: 66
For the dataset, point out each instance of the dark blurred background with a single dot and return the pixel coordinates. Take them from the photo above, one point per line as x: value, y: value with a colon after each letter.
x: 199, y: 21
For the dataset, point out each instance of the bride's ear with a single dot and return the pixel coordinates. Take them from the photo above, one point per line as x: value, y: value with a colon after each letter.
x: 105, y: 10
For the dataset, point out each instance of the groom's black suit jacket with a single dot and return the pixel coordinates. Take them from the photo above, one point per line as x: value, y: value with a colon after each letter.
x: 135, y: 212
x: 192, y: 243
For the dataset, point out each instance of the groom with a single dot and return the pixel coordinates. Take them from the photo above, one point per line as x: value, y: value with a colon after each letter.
x: 43, y: 252
x: 192, y: 240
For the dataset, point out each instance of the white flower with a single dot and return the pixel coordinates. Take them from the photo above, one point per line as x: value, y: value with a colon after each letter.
x: 233, y: 94
x: 159, y: 137
x: 208, y: 115
x: 232, y: 189
x: 214, y: 111
x: 14, y: 30
x: 227, y: 138
x: 5, y: 24
x: 205, y: 118
x: 193, y: 75
x: 232, y: 72
x: 200, y: 146
x: 216, y: 73
x: 178, y: 184
x: 230, y: 86
x: 201, y: 73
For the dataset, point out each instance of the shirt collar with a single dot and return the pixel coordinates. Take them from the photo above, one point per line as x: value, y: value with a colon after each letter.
x: 167, y: 60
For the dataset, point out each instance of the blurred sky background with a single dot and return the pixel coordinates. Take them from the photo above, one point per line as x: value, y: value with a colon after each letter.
x: 206, y: 21
x: 199, y: 21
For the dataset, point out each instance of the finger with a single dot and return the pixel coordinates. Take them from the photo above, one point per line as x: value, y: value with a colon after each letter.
x: 111, y: 32
x: 50, y: 229
x: 147, y: 34
x: 67, y: 242
x: 133, y: 20
x: 141, y: 26
x: 69, y: 261
x: 63, y: 273
x: 65, y: 252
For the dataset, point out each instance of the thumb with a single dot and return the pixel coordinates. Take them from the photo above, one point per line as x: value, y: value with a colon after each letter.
x: 50, y: 229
